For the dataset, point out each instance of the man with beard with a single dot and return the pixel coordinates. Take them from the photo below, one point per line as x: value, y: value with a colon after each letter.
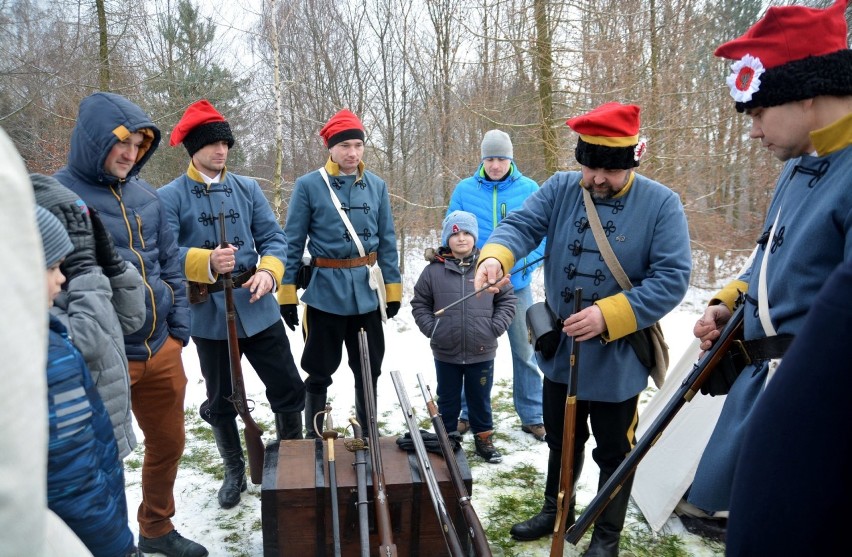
x: 644, y: 223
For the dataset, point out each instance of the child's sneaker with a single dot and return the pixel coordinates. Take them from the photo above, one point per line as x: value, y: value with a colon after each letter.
x: 485, y: 447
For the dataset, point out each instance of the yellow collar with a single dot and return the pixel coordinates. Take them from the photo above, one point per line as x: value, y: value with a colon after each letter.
x: 194, y: 174
x: 333, y: 168
x: 833, y: 137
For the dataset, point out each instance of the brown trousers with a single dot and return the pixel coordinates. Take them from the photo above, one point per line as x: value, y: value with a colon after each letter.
x: 157, y: 389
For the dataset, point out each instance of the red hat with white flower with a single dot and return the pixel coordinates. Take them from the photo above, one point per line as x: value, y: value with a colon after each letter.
x: 792, y: 53
x: 609, y: 136
x: 341, y: 127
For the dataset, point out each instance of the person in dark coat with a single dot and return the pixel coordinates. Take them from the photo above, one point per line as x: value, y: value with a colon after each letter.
x: 792, y: 486
x: 111, y: 142
x: 464, y: 337
x: 85, y: 477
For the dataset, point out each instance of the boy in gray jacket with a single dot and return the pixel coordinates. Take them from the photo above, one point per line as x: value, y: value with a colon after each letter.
x: 464, y: 337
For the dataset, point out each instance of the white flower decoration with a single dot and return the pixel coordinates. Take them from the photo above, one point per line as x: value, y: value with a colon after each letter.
x: 744, y: 80
x: 640, y: 149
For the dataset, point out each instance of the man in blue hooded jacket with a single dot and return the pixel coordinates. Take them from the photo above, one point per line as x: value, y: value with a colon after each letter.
x: 496, y: 189
x: 111, y: 142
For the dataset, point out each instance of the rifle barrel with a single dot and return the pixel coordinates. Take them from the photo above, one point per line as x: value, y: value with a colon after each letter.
x: 448, y: 529
x: 251, y: 431
x: 688, y: 389
x: 566, y: 477
x: 383, y: 522
x: 474, y: 526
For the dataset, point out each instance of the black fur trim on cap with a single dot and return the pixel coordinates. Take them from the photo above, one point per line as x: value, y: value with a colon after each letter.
x: 345, y: 135
x: 804, y: 79
x: 599, y: 156
x: 205, y: 134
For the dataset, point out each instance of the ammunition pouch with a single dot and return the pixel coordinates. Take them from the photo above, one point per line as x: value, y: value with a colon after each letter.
x: 543, y: 329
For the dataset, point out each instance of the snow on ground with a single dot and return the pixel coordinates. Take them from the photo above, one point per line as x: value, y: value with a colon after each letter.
x: 238, y: 531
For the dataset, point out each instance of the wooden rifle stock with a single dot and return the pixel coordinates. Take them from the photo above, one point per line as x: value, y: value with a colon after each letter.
x: 383, y: 523
x: 566, y: 477
x: 251, y: 431
x: 474, y: 527
x: 687, y: 391
x: 361, y: 481
x: 448, y: 529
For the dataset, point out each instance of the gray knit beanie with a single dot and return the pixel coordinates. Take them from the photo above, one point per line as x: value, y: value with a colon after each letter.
x: 54, y: 238
x: 496, y: 144
x: 459, y: 221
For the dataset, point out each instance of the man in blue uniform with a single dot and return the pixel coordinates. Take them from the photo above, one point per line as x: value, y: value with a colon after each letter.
x: 792, y: 74
x: 255, y: 256
x: 355, y: 282
x: 644, y: 223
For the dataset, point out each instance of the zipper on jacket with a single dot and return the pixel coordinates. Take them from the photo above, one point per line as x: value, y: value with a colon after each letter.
x: 142, y: 270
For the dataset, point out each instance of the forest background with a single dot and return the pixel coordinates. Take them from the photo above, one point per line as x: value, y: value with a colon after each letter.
x: 427, y: 77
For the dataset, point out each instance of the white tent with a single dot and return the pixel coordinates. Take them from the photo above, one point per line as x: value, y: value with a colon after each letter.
x: 666, y: 472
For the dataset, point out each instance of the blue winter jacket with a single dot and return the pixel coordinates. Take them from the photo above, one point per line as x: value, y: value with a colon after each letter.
x: 491, y: 201
x: 85, y: 478
x: 131, y: 211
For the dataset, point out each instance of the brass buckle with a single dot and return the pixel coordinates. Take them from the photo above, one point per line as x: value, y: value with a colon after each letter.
x: 742, y: 348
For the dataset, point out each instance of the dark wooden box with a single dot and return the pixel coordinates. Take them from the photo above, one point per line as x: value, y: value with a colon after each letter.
x: 296, y: 501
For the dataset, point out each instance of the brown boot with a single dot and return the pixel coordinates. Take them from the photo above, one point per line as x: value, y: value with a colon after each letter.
x: 484, y: 443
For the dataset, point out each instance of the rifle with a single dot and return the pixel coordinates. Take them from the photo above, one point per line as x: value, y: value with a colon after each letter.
x: 474, y: 527
x: 251, y: 431
x: 483, y: 288
x: 701, y: 370
x: 566, y: 478
x: 329, y: 434
x: 360, y: 465
x: 383, y: 524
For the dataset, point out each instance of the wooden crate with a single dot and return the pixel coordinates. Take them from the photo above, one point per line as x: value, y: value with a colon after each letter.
x: 296, y: 501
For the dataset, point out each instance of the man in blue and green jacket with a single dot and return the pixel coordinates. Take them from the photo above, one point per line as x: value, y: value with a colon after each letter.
x: 496, y: 189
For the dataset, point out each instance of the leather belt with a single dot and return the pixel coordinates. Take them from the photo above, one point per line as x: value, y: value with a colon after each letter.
x: 767, y: 348
x: 239, y: 280
x: 368, y: 259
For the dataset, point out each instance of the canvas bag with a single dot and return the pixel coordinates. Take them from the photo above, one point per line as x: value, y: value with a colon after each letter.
x: 649, y: 344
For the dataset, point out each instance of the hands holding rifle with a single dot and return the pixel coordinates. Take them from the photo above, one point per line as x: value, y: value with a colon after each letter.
x: 223, y: 261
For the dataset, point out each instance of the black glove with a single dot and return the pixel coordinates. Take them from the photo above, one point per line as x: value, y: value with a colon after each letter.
x: 392, y: 309
x: 79, y: 228
x: 290, y: 313
x: 109, y: 260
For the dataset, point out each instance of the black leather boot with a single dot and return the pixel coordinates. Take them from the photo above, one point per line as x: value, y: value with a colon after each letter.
x: 288, y: 425
x: 542, y: 524
x: 314, y: 403
x: 227, y: 438
x: 607, y: 532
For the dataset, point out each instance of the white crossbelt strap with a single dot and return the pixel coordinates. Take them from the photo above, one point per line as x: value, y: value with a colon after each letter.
x: 375, y: 278
x: 762, y: 295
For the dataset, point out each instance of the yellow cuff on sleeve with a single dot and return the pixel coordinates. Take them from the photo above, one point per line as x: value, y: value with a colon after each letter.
x: 500, y: 253
x: 618, y: 315
x: 197, y: 265
x: 729, y: 294
x: 273, y: 265
x: 393, y: 292
x: 287, y: 294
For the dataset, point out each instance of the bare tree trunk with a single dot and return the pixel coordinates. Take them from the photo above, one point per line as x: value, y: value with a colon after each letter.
x: 544, y: 65
x: 277, y: 181
x: 103, y: 47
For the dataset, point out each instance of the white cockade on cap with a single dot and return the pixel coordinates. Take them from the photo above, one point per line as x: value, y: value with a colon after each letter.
x: 744, y: 80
